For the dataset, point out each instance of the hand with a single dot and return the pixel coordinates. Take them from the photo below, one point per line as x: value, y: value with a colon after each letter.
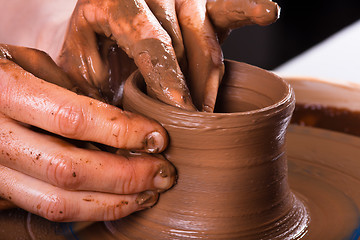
x: 133, y: 27
x: 160, y: 36
x: 43, y: 173
x: 27, y: 100
x: 204, y: 28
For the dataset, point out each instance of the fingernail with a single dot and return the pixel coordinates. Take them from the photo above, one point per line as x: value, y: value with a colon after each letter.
x: 146, y: 199
x: 207, y: 108
x: 154, y: 142
x: 165, y: 177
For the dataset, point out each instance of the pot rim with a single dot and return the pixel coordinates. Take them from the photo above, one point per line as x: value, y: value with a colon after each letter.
x: 135, y: 77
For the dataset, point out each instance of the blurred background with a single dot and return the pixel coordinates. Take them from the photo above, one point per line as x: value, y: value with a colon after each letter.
x: 302, y: 24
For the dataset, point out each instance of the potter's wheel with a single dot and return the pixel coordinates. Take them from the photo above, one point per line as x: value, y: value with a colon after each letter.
x: 323, y: 172
x: 323, y: 164
x: 325, y: 178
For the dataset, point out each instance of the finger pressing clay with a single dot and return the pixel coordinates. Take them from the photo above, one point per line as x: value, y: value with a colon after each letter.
x: 136, y: 30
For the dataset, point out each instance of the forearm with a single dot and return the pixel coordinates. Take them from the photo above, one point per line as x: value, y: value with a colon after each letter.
x: 35, y: 23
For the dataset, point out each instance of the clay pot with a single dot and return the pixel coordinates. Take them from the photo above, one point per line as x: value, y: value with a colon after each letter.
x: 231, y: 164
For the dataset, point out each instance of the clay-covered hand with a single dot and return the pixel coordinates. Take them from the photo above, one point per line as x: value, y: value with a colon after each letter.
x: 199, y: 27
x: 42, y: 172
x: 131, y: 26
x: 227, y: 15
x: 204, y: 25
x: 159, y: 36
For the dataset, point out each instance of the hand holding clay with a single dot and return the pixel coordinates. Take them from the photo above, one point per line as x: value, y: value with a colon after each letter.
x: 43, y: 173
x: 133, y: 27
x: 203, y: 25
x: 160, y: 36
x: 30, y: 169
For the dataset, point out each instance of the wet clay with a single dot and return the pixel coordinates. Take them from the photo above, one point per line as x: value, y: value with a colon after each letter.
x: 232, y: 166
x: 317, y: 180
x: 165, y: 13
x: 322, y: 174
x: 323, y: 177
x: 319, y: 116
x: 138, y: 34
x: 155, y: 55
x: 327, y: 105
x: 312, y: 91
x: 261, y: 12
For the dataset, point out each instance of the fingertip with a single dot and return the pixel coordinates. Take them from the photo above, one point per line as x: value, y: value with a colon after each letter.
x: 146, y: 199
x: 212, y: 85
x: 266, y: 13
x: 155, y: 142
x: 165, y: 177
x: 157, y: 62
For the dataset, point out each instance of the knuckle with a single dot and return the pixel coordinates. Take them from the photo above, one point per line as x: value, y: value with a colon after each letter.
x: 116, y: 211
x: 120, y: 132
x: 53, y: 207
x: 130, y: 183
x: 62, y: 172
x: 70, y: 120
x: 218, y: 61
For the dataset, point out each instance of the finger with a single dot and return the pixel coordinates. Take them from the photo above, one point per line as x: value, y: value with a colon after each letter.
x: 56, y: 204
x: 36, y: 62
x: 33, y: 101
x: 80, y: 57
x: 228, y: 14
x: 120, y: 68
x: 165, y: 12
x: 203, y: 51
x: 141, y: 36
x: 61, y: 164
x: 42, y: 66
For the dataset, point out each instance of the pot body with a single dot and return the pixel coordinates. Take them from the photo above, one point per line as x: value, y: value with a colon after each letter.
x: 231, y: 164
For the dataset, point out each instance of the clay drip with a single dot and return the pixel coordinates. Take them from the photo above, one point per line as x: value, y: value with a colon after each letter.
x: 232, y: 166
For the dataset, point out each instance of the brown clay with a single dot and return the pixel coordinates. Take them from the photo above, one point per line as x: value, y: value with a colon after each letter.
x: 323, y: 175
x: 327, y: 186
x: 231, y: 164
x: 224, y: 12
x: 319, y: 116
x: 328, y: 106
